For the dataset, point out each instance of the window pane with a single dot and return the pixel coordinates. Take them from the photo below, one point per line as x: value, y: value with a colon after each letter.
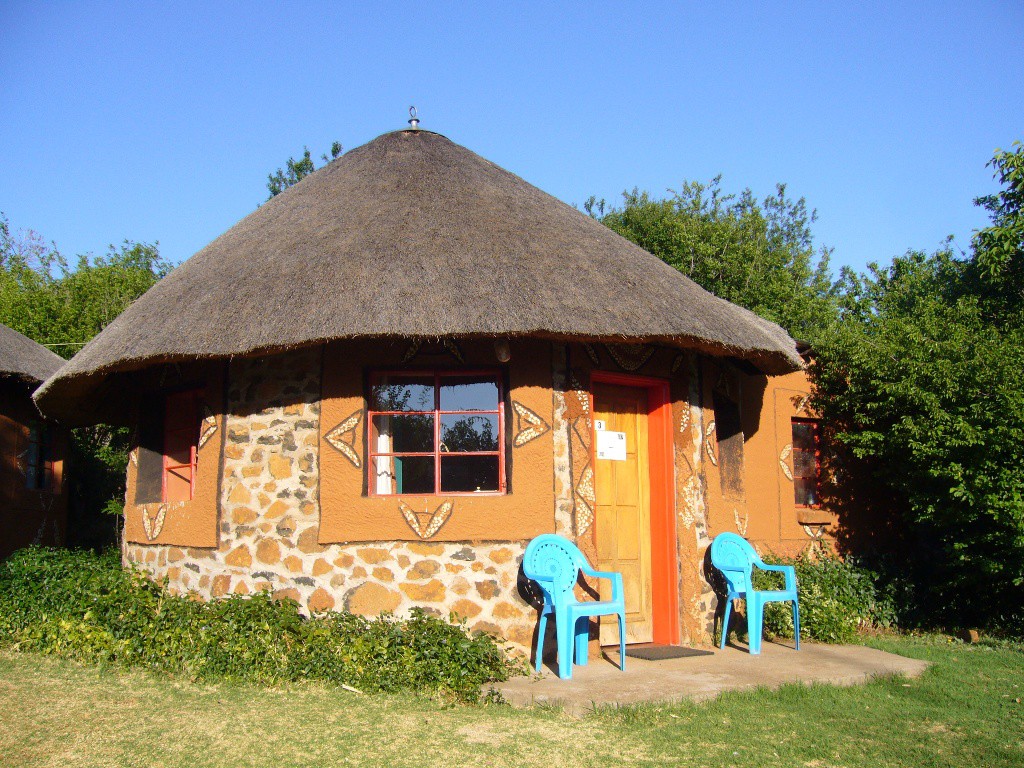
x: 178, y: 447
x: 469, y: 393
x: 31, y: 456
x: 180, y: 411
x: 469, y: 473
x: 403, y: 434
x: 32, y: 476
x: 383, y: 480
x: 804, y: 464
x: 414, y: 474
x: 45, y: 444
x: 179, y: 484
x: 469, y: 433
x: 803, y: 436
x: 402, y: 393
x: 805, y: 491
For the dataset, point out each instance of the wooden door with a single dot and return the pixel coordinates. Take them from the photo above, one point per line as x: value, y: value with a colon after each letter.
x: 623, y: 515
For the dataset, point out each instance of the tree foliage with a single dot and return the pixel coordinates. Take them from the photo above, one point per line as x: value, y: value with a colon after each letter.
x: 917, y: 376
x: 999, y: 248
x: 295, y: 171
x: 921, y: 382
x: 63, y: 307
x: 758, y: 254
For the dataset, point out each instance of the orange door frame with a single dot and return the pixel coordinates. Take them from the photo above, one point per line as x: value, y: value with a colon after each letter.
x: 664, y: 568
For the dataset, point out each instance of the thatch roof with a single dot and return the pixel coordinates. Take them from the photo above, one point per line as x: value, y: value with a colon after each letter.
x: 25, y: 360
x: 412, y: 235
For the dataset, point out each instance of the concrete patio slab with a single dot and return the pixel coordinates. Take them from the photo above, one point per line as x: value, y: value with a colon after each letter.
x: 704, y: 677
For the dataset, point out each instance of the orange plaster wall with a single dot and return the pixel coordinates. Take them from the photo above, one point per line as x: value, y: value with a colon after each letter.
x: 26, y: 515
x: 765, y: 513
x: 349, y: 514
x: 190, y: 523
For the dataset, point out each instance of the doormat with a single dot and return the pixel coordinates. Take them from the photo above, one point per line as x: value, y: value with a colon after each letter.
x: 660, y: 652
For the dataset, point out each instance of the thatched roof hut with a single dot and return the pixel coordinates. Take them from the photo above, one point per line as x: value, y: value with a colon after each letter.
x: 371, y: 393
x: 33, y: 505
x: 410, y: 235
x: 25, y: 360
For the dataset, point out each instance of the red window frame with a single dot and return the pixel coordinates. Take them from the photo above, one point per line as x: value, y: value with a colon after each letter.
x: 180, y: 429
x: 436, y: 414
x: 38, y: 456
x: 815, y: 425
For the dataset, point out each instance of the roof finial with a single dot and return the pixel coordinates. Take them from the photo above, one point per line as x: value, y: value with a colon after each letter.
x: 413, y: 120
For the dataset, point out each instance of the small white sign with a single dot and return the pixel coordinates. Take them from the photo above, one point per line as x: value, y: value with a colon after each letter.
x: 599, y: 425
x: 611, y: 445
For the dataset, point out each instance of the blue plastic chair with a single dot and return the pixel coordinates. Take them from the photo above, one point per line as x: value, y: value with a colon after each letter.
x: 554, y: 563
x: 735, y: 558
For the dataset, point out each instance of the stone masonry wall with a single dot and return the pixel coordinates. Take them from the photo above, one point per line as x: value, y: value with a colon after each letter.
x: 270, y: 517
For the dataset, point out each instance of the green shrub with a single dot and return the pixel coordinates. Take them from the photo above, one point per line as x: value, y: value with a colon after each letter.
x: 87, y: 607
x: 837, y: 598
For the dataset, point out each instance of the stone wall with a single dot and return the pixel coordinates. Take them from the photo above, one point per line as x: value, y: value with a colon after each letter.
x: 270, y: 516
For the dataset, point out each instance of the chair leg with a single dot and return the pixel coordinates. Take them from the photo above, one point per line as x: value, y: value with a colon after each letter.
x: 796, y: 623
x: 542, y: 625
x: 622, y: 641
x: 725, y: 622
x: 582, y: 637
x: 755, y: 616
x: 563, y: 631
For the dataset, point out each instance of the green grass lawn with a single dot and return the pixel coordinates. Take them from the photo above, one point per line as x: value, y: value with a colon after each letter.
x: 965, y: 711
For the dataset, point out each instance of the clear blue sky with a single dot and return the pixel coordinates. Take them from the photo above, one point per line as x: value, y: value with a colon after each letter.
x: 161, y: 121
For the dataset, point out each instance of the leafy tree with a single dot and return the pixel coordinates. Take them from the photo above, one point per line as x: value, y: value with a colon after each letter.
x: 999, y: 248
x: 295, y: 171
x: 758, y: 254
x: 921, y: 382
x: 469, y: 433
x: 62, y: 307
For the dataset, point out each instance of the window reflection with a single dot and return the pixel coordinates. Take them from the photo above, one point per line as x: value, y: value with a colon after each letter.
x: 465, y: 393
x: 403, y: 393
x: 467, y: 474
x: 404, y: 434
x: 461, y: 433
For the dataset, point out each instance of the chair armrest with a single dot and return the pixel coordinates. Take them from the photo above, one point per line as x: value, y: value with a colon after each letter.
x: 788, y: 571
x: 599, y: 574
x: 615, y: 577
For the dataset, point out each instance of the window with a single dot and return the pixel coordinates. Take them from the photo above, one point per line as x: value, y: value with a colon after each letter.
x: 806, y: 461
x: 168, y: 444
x: 180, y: 445
x: 729, y: 435
x: 436, y: 432
x: 39, y: 457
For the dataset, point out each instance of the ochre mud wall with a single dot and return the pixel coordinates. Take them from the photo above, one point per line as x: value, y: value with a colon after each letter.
x: 270, y: 519
x: 761, y: 506
x: 293, y: 516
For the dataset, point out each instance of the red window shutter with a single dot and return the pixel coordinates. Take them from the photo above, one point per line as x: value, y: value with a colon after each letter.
x: 180, y: 444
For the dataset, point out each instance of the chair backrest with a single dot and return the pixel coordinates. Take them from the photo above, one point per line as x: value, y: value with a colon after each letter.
x: 734, y: 557
x: 553, y: 562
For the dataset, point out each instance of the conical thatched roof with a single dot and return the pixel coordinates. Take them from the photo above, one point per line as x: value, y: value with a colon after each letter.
x: 25, y: 360
x: 413, y: 235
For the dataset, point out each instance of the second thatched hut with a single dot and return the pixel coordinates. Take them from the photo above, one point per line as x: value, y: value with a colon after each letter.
x: 33, y: 504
